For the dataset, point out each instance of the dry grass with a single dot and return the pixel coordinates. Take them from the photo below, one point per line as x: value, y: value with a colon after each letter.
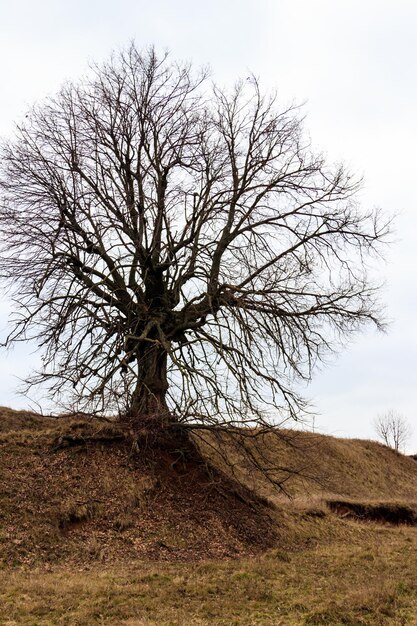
x: 367, y: 578
x: 80, y: 525
x: 317, y: 465
x: 11, y: 420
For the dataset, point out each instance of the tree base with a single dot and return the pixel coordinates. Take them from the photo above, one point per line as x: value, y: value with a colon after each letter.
x: 102, y: 493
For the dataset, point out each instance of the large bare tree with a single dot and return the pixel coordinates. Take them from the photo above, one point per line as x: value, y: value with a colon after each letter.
x: 177, y: 250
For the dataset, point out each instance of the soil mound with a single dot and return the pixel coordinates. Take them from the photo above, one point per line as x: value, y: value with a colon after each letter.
x: 80, y: 491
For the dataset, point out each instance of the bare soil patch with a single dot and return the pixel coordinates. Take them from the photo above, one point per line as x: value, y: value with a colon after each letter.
x: 82, y: 491
x: 386, y: 512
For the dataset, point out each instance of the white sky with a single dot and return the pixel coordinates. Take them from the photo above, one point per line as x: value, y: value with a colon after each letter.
x: 354, y: 64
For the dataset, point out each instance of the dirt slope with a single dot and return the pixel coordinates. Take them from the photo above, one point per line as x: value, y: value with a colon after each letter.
x: 105, y: 501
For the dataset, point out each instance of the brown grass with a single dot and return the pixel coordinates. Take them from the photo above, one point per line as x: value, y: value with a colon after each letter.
x: 91, y: 536
x: 366, y: 578
x: 316, y: 465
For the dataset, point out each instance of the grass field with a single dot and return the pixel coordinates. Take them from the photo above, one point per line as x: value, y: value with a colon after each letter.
x: 368, y: 578
x: 327, y: 566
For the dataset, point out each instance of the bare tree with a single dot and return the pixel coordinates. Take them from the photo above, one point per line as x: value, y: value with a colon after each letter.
x: 177, y: 250
x: 394, y: 429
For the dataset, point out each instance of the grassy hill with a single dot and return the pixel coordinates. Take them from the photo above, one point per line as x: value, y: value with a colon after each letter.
x: 115, y: 537
x: 314, y: 465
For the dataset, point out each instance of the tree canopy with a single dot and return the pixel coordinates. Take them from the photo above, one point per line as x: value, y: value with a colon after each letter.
x: 178, y: 249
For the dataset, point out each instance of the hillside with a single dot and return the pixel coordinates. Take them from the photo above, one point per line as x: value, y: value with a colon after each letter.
x: 314, y: 465
x: 77, y: 490
x: 93, y: 532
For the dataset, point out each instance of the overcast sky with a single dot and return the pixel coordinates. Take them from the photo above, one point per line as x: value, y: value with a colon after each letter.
x: 352, y: 62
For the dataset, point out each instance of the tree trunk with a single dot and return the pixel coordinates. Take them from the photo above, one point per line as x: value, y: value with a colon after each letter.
x: 148, y: 414
x: 149, y: 398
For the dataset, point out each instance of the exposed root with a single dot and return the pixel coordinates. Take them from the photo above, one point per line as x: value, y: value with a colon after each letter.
x: 70, y: 441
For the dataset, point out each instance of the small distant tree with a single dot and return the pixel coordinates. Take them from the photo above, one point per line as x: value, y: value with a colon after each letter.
x: 177, y: 250
x: 394, y: 429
